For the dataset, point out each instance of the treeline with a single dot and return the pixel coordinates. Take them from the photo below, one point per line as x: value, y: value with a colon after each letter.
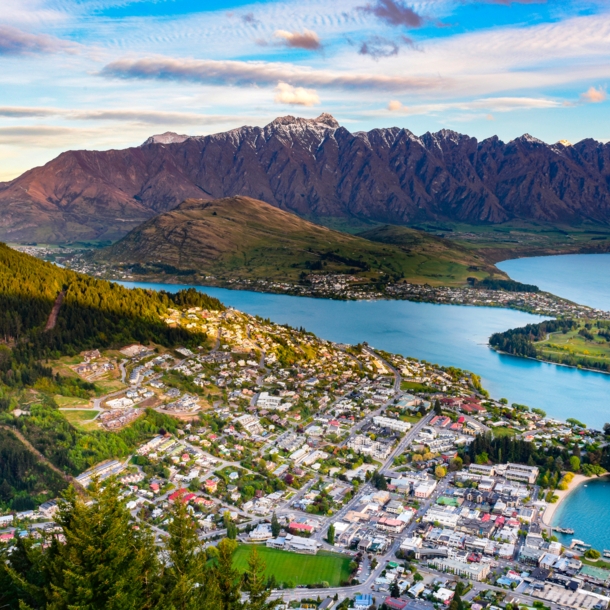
x: 520, y: 341
x: 552, y: 461
x: 94, y: 314
x: 498, y: 284
x: 107, y: 560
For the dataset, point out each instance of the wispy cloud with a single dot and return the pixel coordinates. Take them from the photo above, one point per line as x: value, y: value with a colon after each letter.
x: 296, y: 96
x: 18, y: 42
x: 145, y: 116
x: 206, y: 71
x: 307, y: 39
x: 594, y: 95
x: 394, y: 12
x: 491, y: 104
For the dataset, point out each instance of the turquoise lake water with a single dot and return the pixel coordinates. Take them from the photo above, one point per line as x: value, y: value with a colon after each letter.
x: 587, y: 511
x: 444, y: 334
x: 582, y: 278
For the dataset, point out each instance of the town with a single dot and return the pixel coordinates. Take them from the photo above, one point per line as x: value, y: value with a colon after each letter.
x: 343, y: 287
x: 372, y: 463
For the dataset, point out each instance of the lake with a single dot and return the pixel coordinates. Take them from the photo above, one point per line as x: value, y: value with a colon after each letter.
x: 582, y: 278
x: 445, y: 334
x: 587, y: 511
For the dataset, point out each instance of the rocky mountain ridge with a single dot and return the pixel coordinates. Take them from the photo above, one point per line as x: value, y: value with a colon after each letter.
x: 317, y: 169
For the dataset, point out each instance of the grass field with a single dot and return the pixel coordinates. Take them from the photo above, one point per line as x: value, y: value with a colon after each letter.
x: 414, y: 386
x: 79, y: 417
x: 71, y: 401
x: 301, y: 569
x: 558, y: 346
x: 501, y: 431
x: 110, y: 385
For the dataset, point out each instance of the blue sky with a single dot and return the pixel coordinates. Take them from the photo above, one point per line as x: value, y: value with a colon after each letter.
x: 101, y: 74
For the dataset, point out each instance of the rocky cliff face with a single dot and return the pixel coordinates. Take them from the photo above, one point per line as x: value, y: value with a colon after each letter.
x: 314, y: 168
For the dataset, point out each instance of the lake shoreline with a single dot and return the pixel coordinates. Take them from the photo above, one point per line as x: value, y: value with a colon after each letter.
x: 568, y: 366
x: 547, y: 518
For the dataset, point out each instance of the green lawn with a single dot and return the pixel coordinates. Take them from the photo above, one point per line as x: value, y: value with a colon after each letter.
x: 414, y: 386
x: 301, y: 569
x: 560, y: 345
x: 71, y: 401
x: 79, y: 417
x: 502, y: 431
x: 412, y: 419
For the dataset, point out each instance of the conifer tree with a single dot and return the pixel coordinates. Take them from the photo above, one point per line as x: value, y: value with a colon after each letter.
x: 188, y: 583
x: 255, y: 584
x: 275, y: 526
x: 227, y: 576
x: 106, y: 561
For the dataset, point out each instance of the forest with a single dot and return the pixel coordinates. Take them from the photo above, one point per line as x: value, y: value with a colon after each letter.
x: 93, y: 313
x: 109, y: 560
x: 499, y: 284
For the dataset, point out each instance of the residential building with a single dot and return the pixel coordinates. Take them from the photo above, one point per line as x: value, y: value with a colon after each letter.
x: 392, y: 424
x: 519, y: 472
x: 424, y: 489
x: 472, y: 571
x: 250, y: 424
x: 482, y: 469
x: 267, y: 401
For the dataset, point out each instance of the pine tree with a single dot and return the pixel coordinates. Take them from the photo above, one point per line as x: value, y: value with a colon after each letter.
x: 106, y: 563
x: 275, y: 526
x: 394, y: 590
x: 330, y: 536
x: 188, y: 583
x: 255, y: 584
x: 227, y: 576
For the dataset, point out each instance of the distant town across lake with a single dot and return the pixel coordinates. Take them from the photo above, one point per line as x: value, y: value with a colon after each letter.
x: 454, y: 335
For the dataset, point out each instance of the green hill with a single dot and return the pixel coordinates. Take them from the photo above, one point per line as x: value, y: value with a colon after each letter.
x: 243, y: 238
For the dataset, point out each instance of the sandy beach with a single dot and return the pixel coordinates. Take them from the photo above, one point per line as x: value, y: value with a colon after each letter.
x: 563, y: 494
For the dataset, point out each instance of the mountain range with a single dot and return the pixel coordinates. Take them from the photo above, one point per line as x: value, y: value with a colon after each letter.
x: 316, y: 169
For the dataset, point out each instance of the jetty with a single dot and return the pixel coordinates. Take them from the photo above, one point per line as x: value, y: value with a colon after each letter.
x: 563, y: 530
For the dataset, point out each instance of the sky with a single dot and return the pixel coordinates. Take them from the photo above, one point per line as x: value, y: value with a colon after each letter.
x: 100, y: 74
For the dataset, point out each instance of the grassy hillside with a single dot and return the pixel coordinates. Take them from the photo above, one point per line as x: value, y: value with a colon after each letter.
x: 431, y: 257
x: 242, y: 238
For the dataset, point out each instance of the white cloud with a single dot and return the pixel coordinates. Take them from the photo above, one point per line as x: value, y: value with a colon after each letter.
x: 296, y: 96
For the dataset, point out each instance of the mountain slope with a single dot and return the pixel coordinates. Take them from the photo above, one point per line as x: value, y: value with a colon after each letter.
x: 243, y: 238
x: 317, y: 169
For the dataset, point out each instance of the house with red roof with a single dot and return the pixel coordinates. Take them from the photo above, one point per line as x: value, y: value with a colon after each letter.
x: 177, y: 494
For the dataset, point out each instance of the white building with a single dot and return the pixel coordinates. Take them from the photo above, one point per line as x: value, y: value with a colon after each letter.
x: 267, y: 401
x: 250, y: 424
x: 424, y: 489
x: 519, y: 472
x: 392, y: 424
x: 261, y: 532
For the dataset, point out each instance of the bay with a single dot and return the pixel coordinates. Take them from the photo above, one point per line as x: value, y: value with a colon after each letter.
x: 445, y: 334
x: 582, y: 278
x: 587, y: 511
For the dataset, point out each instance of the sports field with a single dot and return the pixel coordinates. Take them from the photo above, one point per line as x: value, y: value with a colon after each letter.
x: 300, y: 569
